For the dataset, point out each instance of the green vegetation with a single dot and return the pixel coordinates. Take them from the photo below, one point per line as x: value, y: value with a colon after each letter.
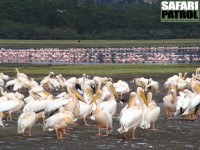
x: 100, y: 70
x: 96, y: 43
x: 72, y: 19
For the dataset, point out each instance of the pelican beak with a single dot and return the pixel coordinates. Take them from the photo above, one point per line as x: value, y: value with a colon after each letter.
x: 89, y: 92
x: 144, y: 98
x: 114, y: 91
x: 130, y: 101
x: 95, y: 98
x: 46, y: 93
x: 197, y: 87
x: 174, y: 87
x: 79, y: 96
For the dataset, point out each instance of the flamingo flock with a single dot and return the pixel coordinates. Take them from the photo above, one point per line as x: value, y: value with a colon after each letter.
x: 101, y: 55
x: 61, y: 102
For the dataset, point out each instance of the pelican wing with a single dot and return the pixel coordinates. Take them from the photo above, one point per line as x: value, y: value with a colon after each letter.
x: 55, y: 119
x: 121, y: 87
x: 55, y: 105
x: 129, y: 119
x: 36, y: 106
x: 8, y: 105
x: 26, y: 119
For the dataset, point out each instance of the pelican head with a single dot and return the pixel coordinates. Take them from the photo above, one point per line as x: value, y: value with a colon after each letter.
x: 112, y: 89
x: 132, y: 98
x: 88, y: 91
x: 71, y: 90
x: 174, y: 86
x: 98, y: 96
x: 140, y: 93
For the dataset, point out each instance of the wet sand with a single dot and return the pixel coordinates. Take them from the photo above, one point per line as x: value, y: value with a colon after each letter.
x: 174, y: 134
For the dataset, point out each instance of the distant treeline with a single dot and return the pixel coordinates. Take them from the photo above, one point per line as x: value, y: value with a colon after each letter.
x: 74, y: 19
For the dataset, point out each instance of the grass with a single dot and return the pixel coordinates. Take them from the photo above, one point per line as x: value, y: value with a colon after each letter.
x: 39, y: 72
x: 96, y: 43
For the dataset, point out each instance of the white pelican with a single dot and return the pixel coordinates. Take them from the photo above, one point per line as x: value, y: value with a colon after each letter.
x: 21, y: 75
x: 102, y: 116
x: 73, y: 105
x: 6, y: 105
x: 15, y: 109
x: 86, y: 108
x: 59, y: 122
x: 61, y: 80
x: 191, y: 106
x: 130, y: 116
x: 141, y: 82
x: 26, y: 120
x: 121, y: 87
x: 39, y: 93
x: 110, y: 105
x: 170, y: 101
x: 152, y: 86
x: 151, y: 114
x: 4, y: 77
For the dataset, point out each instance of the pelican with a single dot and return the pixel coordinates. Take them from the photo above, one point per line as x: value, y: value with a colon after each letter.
x: 110, y: 105
x: 141, y: 82
x: 39, y: 93
x: 59, y: 122
x: 170, y: 101
x: 73, y: 105
x: 15, y: 109
x: 152, y: 86
x: 130, y: 116
x: 4, y: 77
x: 86, y: 108
x: 7, y: 105
x: 21, y: 75
x: 121, y: 87
x: 102, y: 116
x: 26, y: 120
x: 151, y: 114
x: 191, y: 106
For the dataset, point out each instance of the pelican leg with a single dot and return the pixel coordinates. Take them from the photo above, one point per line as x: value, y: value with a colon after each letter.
x: 84, y: 119
x: 193, y: 117
x: 133, y: 133
x: 61, y: 136
x: 7, y: 117
x: 106, y: 131
x: 30, y: 131
x: 124, y: 135
x: 99, y: 134
x: 57, y: 133
x: 153, y: 126
x: 10, y: 116
x: 43, y: 119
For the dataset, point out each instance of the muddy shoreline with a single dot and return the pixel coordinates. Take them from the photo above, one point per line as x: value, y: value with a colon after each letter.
x: 174, y: 134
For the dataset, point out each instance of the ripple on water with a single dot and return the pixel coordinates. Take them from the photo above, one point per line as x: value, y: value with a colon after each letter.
x: 141, y: 143
x: 1, y: 142
x: 189, y: 146
x: 33, y: 139
x: 105, y: 146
